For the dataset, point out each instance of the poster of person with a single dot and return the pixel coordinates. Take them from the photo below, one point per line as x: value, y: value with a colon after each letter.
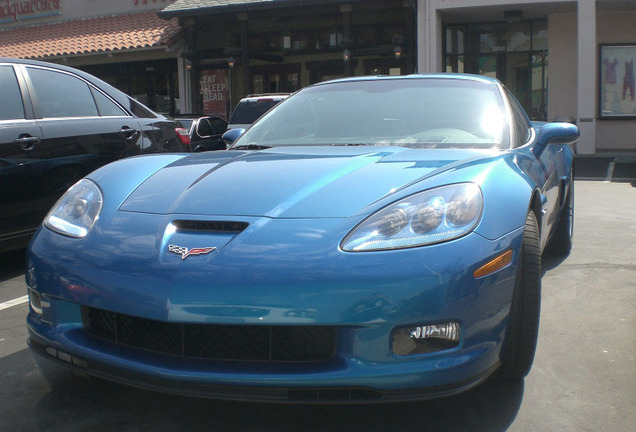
x: 214, y: 92
x: 617, y: 85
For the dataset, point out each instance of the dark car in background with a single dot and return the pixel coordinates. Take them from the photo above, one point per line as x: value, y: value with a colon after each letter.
x: 57, y: 124
x: 204, y: 132
x: 252, y: 107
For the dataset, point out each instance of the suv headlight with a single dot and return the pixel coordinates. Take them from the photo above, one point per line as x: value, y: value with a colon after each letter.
x: 433, y: 216
x: 77, y: 211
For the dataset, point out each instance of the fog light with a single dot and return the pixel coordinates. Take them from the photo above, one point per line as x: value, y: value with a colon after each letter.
x: 422, y: 339
x: 36, y: 302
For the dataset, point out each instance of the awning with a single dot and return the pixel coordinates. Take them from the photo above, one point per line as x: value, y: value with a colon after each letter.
x: 89, y: 36
x: 190, y: 8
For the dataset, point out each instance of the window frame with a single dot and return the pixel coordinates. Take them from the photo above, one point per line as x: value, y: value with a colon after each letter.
x: 37, y: 113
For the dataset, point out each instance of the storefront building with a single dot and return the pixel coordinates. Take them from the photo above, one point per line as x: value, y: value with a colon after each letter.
x: 564, y: 60
x: 235, y: 48
x: 123, y: 42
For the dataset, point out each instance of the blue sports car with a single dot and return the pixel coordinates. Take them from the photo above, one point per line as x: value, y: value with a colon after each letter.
x: 368, y: 239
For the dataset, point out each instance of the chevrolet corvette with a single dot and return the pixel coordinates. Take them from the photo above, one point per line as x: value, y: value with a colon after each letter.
x: 368, y: 239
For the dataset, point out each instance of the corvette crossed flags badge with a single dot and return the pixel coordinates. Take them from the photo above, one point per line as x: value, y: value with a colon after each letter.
x: 185, y: 252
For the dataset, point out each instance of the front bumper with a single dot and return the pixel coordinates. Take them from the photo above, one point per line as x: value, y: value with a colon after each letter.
x: 364, y: 296
x: 258, y: 391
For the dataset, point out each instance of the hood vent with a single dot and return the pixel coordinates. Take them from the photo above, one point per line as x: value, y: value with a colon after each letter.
x: 210, y: 226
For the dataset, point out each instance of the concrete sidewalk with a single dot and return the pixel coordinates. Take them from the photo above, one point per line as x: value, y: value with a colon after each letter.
x: 607, y: 168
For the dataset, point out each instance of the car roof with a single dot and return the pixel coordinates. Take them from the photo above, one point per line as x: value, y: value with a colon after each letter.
x: 453, y: 76
x: 272, y: 96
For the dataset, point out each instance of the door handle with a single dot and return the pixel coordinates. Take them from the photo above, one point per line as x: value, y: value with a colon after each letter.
x: 27, y: 142
x: 127, y: 132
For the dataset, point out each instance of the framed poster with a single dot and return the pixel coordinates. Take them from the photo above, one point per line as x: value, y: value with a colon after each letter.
x: 617, y: 85
x: 214, y: 92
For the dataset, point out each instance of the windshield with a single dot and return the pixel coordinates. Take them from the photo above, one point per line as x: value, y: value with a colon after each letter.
x: 418, y: 113
x: 248, y: 111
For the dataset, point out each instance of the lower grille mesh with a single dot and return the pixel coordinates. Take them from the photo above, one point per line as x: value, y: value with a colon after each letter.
x: 214, y: 342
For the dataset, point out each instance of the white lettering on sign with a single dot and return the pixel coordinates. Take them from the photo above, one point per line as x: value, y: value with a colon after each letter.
x: 22, y: 10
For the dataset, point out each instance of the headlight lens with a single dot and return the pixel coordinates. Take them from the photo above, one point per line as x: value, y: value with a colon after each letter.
x: 429, y: 217
x: 77, y: 211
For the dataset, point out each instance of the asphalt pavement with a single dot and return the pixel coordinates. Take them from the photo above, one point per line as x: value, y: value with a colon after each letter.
x: 583, y: 379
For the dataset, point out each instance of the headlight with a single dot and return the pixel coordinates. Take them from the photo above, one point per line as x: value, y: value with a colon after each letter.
x: 77, y: 211
x: 429, y: 217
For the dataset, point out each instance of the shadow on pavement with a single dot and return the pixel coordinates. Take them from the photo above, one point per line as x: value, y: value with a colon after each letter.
x: 550, y: 261
x: 66, y: 402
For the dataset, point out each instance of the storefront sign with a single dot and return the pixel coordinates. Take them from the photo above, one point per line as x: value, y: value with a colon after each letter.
x: 21, y: 10
x: 214, y: 92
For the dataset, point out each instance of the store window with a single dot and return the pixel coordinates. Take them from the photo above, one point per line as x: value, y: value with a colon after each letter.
x: 153, y: 83
x: 514, y: 53
x: 283, y: 80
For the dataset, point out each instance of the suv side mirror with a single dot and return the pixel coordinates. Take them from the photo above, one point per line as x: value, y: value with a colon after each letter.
x: 231, y: 136
x: 555, y: 134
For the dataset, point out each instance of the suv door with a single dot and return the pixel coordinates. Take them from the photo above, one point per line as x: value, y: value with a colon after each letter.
x: 23, y: 162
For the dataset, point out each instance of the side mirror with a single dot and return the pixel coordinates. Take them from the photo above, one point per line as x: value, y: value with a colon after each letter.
x: 231, y: 136
x: 555, y: 134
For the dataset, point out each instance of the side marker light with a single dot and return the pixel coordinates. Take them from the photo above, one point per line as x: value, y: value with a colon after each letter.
x: 494, y: 265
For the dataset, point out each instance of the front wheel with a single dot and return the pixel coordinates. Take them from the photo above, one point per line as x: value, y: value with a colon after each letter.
x: 523, y: 327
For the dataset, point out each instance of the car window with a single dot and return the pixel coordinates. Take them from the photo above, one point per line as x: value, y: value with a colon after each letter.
x: 139, y: 110
x: 407, y: 112
x: 107, y: 107
x: 204, y: 129
x: 218, y: 125
x: 249, y: 111
x: 11, y: 106
x: 62, y: 95
x: 521, y: 123
x: 186, y: 123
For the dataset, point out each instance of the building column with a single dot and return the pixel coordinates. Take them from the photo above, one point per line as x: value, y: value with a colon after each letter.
x: 429, y: 37
x: 587, y: 76
x: 183, y: 74
x: 245, y: 54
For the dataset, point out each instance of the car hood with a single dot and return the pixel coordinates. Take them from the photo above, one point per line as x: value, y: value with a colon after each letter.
x: 289, y: 182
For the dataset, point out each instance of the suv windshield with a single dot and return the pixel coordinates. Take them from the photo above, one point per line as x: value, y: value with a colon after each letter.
x: 419, y: 113
x: 248, y: 111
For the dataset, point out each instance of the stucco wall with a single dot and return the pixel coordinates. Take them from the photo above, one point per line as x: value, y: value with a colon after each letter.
x: 14, y: 14
x: 562, y: 70
x: 616, y: 135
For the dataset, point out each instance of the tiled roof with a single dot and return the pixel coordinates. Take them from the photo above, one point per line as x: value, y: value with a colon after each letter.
x: 92, y: 35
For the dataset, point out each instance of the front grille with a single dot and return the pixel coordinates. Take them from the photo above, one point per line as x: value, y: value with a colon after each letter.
x: 214, y: 342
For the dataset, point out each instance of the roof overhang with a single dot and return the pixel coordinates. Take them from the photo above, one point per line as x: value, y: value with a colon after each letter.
x: 191, y: 8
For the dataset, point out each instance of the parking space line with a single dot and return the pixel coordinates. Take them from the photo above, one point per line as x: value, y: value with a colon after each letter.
x: 14, y: 302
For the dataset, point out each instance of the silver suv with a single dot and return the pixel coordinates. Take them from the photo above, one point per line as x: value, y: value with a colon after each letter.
x: 252, y: 107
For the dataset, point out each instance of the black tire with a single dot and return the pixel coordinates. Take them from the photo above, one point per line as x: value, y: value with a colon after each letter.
x: 561, y: 242
x: 523, y: 327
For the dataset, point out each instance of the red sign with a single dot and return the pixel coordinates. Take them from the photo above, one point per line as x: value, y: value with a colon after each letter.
x: 12, y: 11
x: 214, y: 92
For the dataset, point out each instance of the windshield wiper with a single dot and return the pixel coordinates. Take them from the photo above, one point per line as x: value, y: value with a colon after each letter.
x: 250, y: 147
